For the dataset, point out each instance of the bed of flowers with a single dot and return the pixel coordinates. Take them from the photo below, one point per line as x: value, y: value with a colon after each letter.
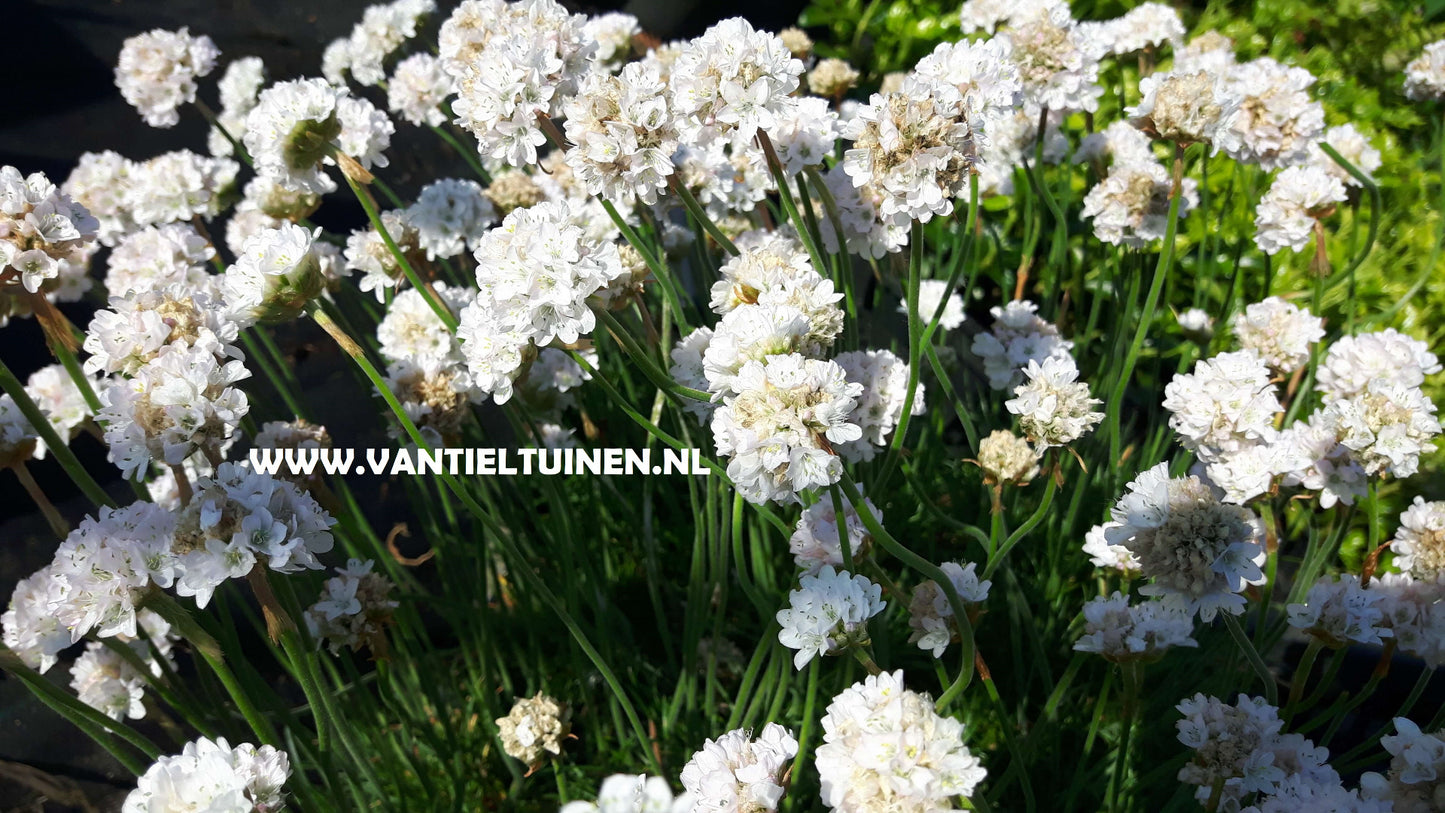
x: 1036, y: 477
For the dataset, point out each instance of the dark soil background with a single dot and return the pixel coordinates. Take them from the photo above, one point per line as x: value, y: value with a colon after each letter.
x: 61, y: 101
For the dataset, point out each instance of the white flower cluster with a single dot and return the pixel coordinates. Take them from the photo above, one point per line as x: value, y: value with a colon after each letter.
x: 816, y: 543
x: 1416, y: 780
x: 875, y: 733
x: 1290, y: 211
x: 41, y: 229
x: 449, y: 216
x: 1190, y: 105
x: 828, y: 614
x: 1121, y: 631
x: 298, y: 126
x: 731, y: 82
x: 884, y: 378
x: 107, y: 681
x: 1342, y: 612
x: 633, y: 793
x: 512, y: 64
x: 737, y: 772
x: 1018, y: 336
x: 1277, y: 121
x: 157, y: 71
x: 1131, y: 205
x: 930, y: 615
x: 276, y: 275
x: 59, y: 398
x: 1425, y: 75
x: 418, y: 88
x: 1053, y: 408
x: 1225, y: 405
x: 1279, y: 333
x: 353, y: 609
x: 1388, y: 357
x: 1106, y: 555
x: 1419, y: 543
x: 779, y: 429
x: 210, y: 775
x: 239, y: 87
x: 383, y: 29
x: 1241, y: 747
x: 535, y: 726
x: 624, y: 134
x: 1199, y: 552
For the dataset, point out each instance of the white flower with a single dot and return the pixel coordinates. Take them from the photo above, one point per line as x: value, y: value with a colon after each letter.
x: 1196, y: 324
x: 828, y: 613
x: 983, y: 72
x: 752, y: 333
x: 1341, y: 612
x: 296, y: 127
x: 1386, y: 356
x: 628, y: 793
x: 29, y: 627
x: 1416, y: 781
x: 496, y: 355
x: 1007, y: 458
x: 725, y: 178
x: 815, y: 542
x: 155, y: 258
x: 884, y: 378
x: 1058, y: 63
x: 778, y: 429
x: 1280, y: 333
x: 1145, y: 26
x: 1246, y: 472
x: 178, y: 402
x: 1053, y: 408
x: 623, y: 134
x: 105, y: 681
x: 1130, y: 206
x: 864, y: 233
x: 178, y: 186
x: 930, y: 615
x: 1310, y: 455
x: 687, y: 370
x: 1241, y: 745
x: 804, y: 136
x: 988, y: 15
x: 914, y: 149
x: 99, y: 182
x: 18, y: 438
x: 1352, y: 146
x: 368, y: 253
x: 412, y: 332
x: 1308, y: 792
x: 1120, y: 631
x: 1190, y: 106
x: 1103, y: 554
x: 1387, y: 427
x: 353, y: 609
x: 1277, y: 120
x: 418, y: 88
x: 383, y: 29
x: 1414, y: 615
x: 239, y: 518
x: 930, y: 297
x: 535, y: 726
x: 1199, y: 552
x: 1121, y: 141
x: 613, y: 33
x: 1419, y: 544
x: 59, y: 398
x: 774, y: 270
x: 875, y: 733
x: 157, y: 72
x: 40, y: 228
x: 1017, y: 337
x: 1288, y: 213
x: 212, y: 776
x: 738, y: 773
x: 141, y: 325
x: 277, y: 273
x: 1211, y: 52
x: 1425, y: 75
x: 1225, y: 404
x: 525, y: 62
x: 732, y: 81
x: 449, y: 216
x: 537, y: 271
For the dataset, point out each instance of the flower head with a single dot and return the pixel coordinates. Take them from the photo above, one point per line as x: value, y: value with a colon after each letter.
x: 535, y: 726
x: 157, y: 72
x: 739, y: 773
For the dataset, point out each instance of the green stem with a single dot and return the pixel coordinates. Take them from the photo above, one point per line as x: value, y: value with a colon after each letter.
x: 439, y: 308
x: 915, y: 348
x: 700, y: 215
x: 1271, y: 692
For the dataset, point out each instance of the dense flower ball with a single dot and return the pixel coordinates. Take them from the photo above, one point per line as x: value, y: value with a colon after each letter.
x: 877, y: 731
x: 1131, y: 206
x: 157, y: 72
x: 624, y: 134
x: 732, y: 81
x: 913, y: 148
x: 1240, y: 747
x: 1007, y: 458
x: 277, y: 274
x: 298, y: 126
x: 1053, y: 408
x: 1277, y: 121
x: 353, y: 610
x: 737, y: 772
x: 1386, y: 428
x: 418, y: 88
x: 1057, y: 63
x: 535, y: 726
x: 1225, y: 404
x: 449, y: 216
x: 1416, y: 780
x: 930, y: 613
x: 1199, y: 552
x: 816, y: 542
x: 1018, y: 336
x: 1279, y: 333
x: 630, y: 793
x: 778, y: 430
x: 1289, y: 212
x: 1425, y: 75
x: 1122, y: 632
x: 828, y: 614
x: 884, y: 378
x: 1352, y: 362
x: 1341, y: 611
x: 212, y: 776
x: 41, y: 228
x: 1189, y: 107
